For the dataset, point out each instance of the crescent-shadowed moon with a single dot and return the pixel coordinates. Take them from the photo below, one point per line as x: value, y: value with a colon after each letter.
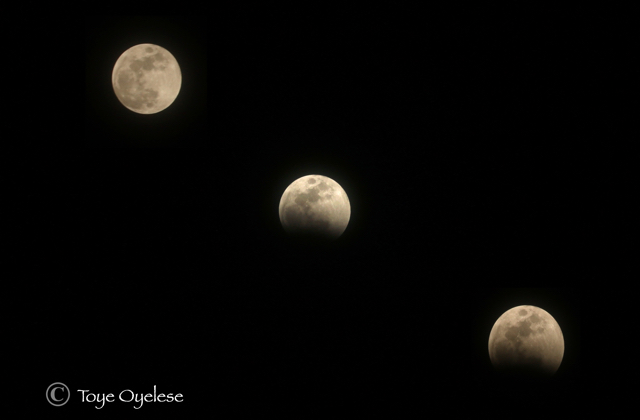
x: 314, y: 208
x: 526, y: 341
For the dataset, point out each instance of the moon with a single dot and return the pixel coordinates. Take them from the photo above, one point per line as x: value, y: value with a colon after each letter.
x: 146, y: 78
x: 314, y: 208
x: 526, y: 342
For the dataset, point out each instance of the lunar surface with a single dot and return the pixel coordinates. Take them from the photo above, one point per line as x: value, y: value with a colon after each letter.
x: 314, y: 208
x: 526, y: 341
x: 146, y: 78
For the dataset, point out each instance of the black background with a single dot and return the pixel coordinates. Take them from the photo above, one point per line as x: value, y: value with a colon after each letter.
x: 154, y: 253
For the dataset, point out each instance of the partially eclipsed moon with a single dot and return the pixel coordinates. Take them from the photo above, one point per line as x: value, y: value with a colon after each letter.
x: 314, y: 207
x: 526, y: 341
x: 146, y: 78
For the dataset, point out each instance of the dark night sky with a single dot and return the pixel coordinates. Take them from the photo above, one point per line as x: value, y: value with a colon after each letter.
x: 167, y: 265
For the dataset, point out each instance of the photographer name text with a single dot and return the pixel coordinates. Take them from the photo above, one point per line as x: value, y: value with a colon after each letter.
x: 129, y: 396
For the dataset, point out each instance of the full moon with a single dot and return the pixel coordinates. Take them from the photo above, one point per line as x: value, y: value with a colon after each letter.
x: 526, y: 341
x: 314, y: 208
x: 146, y: 78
